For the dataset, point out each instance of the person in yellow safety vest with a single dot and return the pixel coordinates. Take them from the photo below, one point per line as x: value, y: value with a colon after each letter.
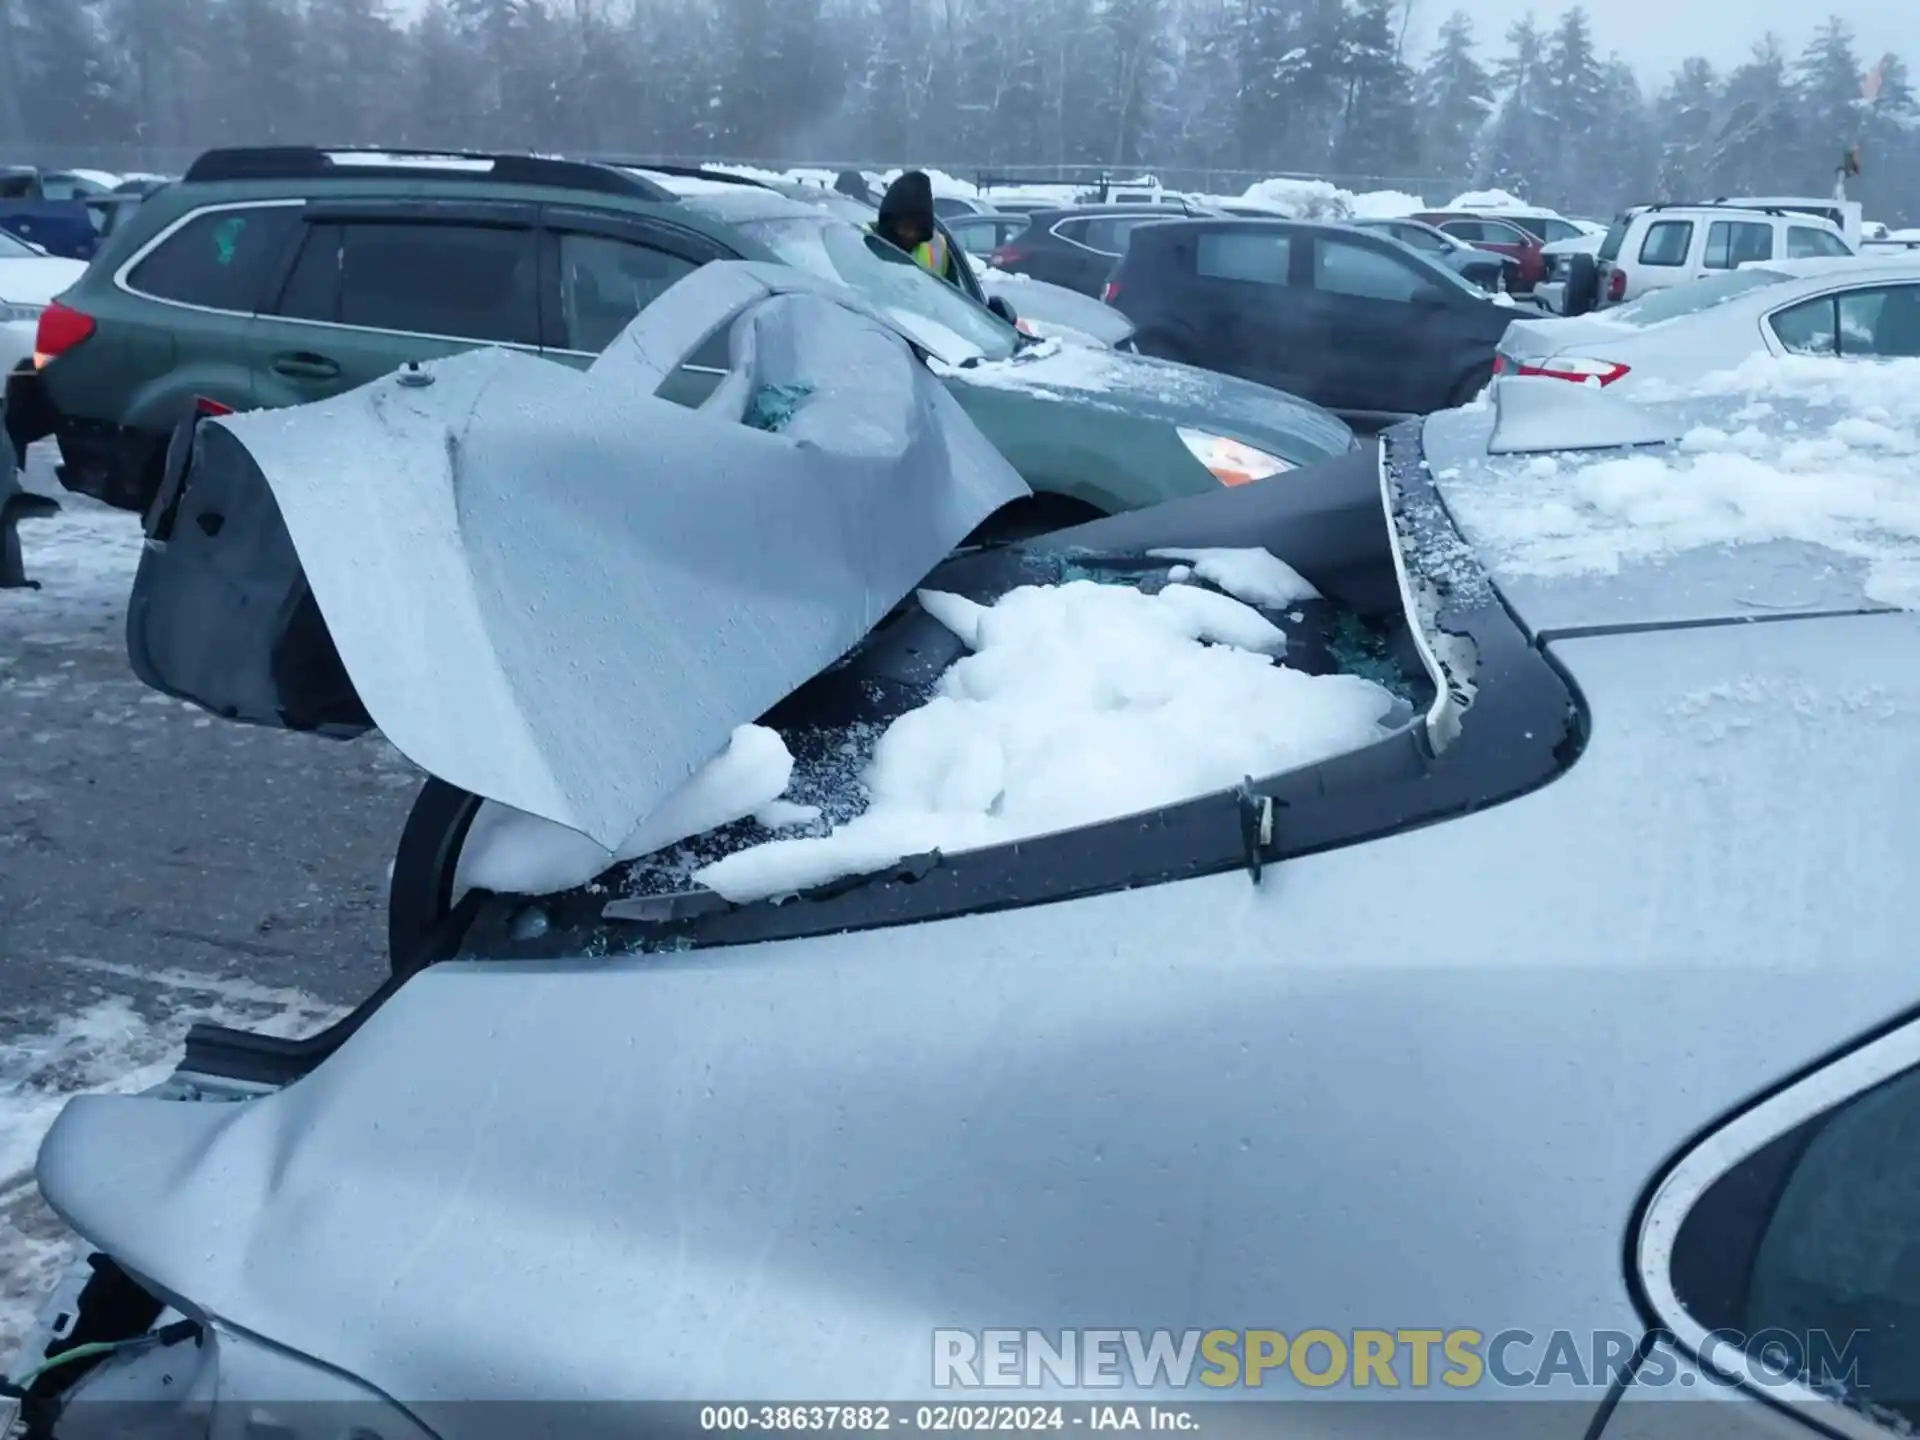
x: 906, y: 221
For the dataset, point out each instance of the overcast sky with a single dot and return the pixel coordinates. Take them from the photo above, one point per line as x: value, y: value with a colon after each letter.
x: 1656, y: 35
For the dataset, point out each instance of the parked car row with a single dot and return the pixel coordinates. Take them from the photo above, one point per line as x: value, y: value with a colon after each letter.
x: 67, y: 213
x: 273, y: 278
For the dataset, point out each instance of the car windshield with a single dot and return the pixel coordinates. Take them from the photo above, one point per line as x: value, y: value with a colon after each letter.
x: 932, y: 311
x: 12, y: 248
x: 1694, y: 296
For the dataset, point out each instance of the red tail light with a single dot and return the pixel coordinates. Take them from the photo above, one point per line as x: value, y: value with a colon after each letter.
x: 1580, y: 371
x: 211, y: 407
x: 1110, y: 292
x: 1617, y: 285
x: 1006, y: 255
x: 1499, y: 364
x: 61, y: 328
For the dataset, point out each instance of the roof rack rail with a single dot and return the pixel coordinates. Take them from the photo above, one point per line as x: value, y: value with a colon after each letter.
x: 294, y: 162
x: 673, y: 167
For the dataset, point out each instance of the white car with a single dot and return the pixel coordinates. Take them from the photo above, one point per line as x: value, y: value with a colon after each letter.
x: 1866, y: 307
x: 1654, y: 246
x: 29, y: 278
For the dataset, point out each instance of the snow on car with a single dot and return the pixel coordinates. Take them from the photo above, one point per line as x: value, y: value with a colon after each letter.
x: 1578, y: 894
x: 1865, y: 307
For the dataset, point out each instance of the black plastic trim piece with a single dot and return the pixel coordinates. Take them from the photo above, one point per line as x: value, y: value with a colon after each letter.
x: 222, y: 1053
x: 1524, y: 728
x: 504, y: 215
x: 312, y: 162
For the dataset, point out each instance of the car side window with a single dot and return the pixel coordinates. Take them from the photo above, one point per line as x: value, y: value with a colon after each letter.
x: 1073, y: 230
x: 1363, y: 273
x: 605, y: 282
x: 1471, y: 231
x: 1882, y: 323
x: 1419, y: 239
x: 1110, y: 235
x: 219, y: 260
x: 465, y: 282
x: 1247, y: 256
x: 1804, y: 1254
x: 1500, y: 233
x: 1732, y: 243
x: 1805, y: 243
x: 1667, y: 243
x: 1810, y: 328
x: 312, y: 291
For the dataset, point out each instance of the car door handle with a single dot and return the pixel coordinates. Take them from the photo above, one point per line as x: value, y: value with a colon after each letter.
x: 306, y: 366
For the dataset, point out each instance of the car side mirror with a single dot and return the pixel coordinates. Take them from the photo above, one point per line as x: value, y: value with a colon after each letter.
x: 1001, y: 306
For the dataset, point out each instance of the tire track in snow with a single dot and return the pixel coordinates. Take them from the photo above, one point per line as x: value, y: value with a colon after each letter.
x: 122, y: 1037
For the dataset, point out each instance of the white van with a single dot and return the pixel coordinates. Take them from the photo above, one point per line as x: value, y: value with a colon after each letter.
x: 1653, y: 246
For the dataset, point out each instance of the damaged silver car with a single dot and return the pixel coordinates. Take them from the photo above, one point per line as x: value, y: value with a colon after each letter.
x: 1560, y: 991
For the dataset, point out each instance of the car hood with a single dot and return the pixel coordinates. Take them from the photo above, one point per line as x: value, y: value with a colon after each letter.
x: 37, y: 281
x: 562, y: 593
x: 1146, y: 388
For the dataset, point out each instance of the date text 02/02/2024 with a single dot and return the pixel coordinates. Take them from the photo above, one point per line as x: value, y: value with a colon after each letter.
x: 873, y: 1419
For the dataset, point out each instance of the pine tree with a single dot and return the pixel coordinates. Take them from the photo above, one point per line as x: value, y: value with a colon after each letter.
x: 1573, y: 91
x: 1686, y: 119
x: 1521, y: 142
x: 66, y: 92
x: 1456, y: 99
x: 1379, y: 135
x: 354, y: 56
x: 1137, y: 54
x: 1827, y: 83
x: 1759, y: 126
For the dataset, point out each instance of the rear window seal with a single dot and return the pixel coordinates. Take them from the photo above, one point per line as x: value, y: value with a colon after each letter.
x: 1521, y: 726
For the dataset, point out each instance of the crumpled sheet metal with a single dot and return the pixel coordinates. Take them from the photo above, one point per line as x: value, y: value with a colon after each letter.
x: 563, y: 593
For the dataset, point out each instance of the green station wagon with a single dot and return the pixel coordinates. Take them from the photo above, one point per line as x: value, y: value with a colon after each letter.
x: 281, y: 276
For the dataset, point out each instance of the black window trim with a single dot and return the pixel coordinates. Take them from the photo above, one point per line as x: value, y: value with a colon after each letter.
x: 122, y: 282
x: 1530, y: 728
x: 1819, y: 1088
x: 346, y: 213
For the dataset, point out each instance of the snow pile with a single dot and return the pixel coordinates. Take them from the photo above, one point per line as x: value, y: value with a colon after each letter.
x: 1255, y: 576
x: 1320, y: 200
x: 1491, y: 200
x: 943, y: 184
x: 512, y: 852
x: 1080, y: 702
x: 1818, y: 451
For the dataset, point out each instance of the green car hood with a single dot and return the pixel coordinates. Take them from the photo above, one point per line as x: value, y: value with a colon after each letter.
x: 1143, y: 388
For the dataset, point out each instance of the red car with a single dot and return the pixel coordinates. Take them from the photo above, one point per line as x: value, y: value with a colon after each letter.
x: 1502, y: 236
